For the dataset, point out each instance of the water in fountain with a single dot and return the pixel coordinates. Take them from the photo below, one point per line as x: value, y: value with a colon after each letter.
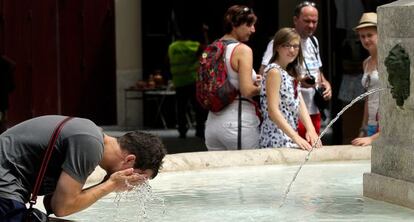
x: 142, y: 199
x: 323, y: 133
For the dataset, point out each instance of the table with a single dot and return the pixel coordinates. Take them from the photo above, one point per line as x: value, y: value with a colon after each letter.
x: 161, y: 95
x: 158, y: 94
x: 131, y: 94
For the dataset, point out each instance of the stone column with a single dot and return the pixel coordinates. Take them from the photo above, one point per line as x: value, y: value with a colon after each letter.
x: 128, y: 60
x: 392, y: 156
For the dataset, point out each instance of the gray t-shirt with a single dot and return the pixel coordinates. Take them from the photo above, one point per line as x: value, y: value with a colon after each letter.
x: 78, y: 151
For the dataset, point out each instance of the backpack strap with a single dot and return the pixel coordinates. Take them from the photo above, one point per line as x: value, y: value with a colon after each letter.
x: 228, y: 41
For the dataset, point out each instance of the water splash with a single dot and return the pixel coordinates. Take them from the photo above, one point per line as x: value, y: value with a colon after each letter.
x: 322, y: 134
x: 139, y: 197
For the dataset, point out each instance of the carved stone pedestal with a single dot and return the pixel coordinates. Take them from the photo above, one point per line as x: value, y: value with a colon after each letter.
x: 392, y: 158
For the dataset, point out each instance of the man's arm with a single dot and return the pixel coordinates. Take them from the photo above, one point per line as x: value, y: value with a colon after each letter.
x: 69, y: 197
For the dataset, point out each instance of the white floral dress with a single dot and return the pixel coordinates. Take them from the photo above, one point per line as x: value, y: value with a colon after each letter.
x: 270, y: 134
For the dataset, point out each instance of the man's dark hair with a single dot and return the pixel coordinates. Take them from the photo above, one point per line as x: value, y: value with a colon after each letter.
x: 299, y: 7
x: 147, y: 148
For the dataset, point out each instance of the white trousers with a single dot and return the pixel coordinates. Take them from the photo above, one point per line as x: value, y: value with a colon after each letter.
x: 222, y: 127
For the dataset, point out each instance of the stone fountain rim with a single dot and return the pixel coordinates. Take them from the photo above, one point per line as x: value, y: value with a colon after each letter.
x: 257, y: 157
x: 252, y: 157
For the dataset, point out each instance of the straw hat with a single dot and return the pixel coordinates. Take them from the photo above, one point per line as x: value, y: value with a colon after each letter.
x: 368, y: 19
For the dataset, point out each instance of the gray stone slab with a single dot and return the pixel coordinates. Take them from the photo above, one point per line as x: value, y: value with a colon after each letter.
x: 388, y: 189
x: 393, y: 160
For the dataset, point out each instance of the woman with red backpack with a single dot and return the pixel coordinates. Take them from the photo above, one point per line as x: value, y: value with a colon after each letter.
x: 236, y: 126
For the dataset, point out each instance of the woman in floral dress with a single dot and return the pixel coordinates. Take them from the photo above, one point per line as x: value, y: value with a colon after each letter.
x: 281, y: 104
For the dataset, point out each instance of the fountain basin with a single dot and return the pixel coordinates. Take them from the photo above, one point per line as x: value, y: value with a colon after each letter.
x: 248, y: 185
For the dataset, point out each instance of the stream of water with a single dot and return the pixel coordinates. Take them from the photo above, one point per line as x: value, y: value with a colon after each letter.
x: 323, y: 133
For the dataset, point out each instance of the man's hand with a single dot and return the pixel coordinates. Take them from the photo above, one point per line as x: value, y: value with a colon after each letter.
x: 327, y: 93
x: 126, y: 179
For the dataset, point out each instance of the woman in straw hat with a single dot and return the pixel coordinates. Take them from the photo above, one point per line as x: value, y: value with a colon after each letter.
x: 367, y: 32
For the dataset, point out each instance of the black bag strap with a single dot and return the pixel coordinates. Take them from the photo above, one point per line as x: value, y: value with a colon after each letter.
x: 312, y: 38
x: 307, y: 68
x: 239, y: 126
x: 46, y: 158
x: 315, y: 45
x: 309, y: 74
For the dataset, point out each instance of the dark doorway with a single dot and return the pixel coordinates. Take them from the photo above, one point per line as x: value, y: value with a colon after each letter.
x: 160, y: 23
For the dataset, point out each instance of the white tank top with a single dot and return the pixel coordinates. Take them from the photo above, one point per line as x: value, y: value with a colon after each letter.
x: 370, y: 80
x: 233, y: 75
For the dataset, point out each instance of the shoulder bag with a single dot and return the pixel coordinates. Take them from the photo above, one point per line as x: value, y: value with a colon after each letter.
x: 32, y: 214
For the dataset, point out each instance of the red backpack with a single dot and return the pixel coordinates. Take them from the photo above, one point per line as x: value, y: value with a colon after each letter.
x: 214, y: 90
